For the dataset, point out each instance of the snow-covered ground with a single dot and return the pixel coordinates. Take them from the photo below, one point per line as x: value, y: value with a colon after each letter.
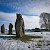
x: 45, y: 35
x: 33, y: 44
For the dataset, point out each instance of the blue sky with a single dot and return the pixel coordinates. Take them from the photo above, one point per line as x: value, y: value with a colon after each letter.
x: 28, y: 8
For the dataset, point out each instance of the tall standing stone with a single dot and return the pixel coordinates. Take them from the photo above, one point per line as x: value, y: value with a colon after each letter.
x: 19, y: 26
x: 10, y: 28
x: 3, y: 29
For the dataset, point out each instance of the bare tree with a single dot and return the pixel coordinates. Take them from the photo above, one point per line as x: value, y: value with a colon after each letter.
x: 45, y: 20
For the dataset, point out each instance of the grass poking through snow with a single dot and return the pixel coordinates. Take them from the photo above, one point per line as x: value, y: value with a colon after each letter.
x: 27, y: 38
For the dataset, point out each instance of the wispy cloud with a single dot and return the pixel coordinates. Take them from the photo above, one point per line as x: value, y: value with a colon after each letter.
x: 30, y: 21
x: 30, y: 9
x: 27, y: 7
x: 6, y: 18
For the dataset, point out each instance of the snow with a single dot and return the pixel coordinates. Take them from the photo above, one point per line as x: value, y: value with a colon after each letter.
x: 33, y: 44
x: 6, y: 44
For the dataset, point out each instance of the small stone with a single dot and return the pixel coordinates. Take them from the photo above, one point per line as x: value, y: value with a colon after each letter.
x: 28, y: 47
x: 10, y: 28
x: 3, y: 29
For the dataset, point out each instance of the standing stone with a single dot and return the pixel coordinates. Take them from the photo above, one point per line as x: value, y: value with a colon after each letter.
x: 19, y: 26
x: 3, y: 29
x: 10, y: 28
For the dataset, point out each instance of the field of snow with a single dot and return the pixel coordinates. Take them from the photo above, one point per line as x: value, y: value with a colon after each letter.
x: 45, y: 35
x: 33, y: 44
x: 6, y: 44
